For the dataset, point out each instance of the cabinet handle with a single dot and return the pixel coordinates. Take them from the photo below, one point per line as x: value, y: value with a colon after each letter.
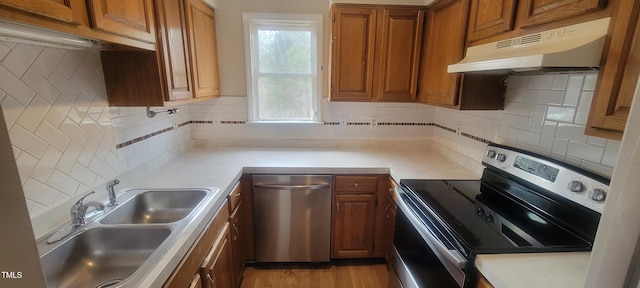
x: 235, y: 228
x: 338, y: 204
x: 235, y: 194
x: 355, y: 184
x: 386, y: 211
x: 211, y: 281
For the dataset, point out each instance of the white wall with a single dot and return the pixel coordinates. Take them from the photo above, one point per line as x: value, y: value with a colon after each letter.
x: 227, y: 117
x: 231, y: 41
x: 545, y: 114
x: 63, y: 133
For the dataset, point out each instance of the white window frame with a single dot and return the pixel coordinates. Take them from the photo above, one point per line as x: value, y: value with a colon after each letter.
x: 312, y: 22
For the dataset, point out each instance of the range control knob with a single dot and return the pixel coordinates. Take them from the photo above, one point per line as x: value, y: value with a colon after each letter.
x: 575, y: 186
x: 597, y: 194
x: 491, y: 154
x: 501, y: 157
x: 488, y: 218
x: 480, y: 211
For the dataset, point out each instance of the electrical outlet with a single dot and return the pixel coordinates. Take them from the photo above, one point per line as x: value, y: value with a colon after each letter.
x: 343, y: 121
x: 216, y: 120
x: 459, y: 130
x: 373, y: 122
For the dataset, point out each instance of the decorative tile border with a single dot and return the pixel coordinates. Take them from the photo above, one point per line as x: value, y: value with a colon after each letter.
x: 358, y: 123
x: 145, y: 137
x: 404, y: 124
x: 200, y: 122
x: 485, y: 141
x: 333, y: 123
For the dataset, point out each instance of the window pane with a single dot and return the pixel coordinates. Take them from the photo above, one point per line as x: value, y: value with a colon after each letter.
x: 281, y: 51
x: 285, y: 98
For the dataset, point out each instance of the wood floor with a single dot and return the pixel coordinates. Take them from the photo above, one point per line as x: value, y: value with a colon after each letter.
x: 335, y: 276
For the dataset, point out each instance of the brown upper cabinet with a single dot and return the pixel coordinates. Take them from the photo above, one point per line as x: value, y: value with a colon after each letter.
x: 57, y: 10
x: 490, y: 17
x: 375, y: 52
x: 183, y: 69
x: 96, y: 19
x: 128, y: 18
x: 203, y: 49
x: 494, y: 20
x: 444, y: 45
x: 536, y: 12
x: 618, y: 76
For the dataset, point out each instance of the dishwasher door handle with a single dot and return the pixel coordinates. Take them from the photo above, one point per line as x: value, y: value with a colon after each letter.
x: 291, y: 187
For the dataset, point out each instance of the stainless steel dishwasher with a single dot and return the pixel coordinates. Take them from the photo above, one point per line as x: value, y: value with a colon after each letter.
x: 292, y: 217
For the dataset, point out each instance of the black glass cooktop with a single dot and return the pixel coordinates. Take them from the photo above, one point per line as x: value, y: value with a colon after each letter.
x: 455, y: 204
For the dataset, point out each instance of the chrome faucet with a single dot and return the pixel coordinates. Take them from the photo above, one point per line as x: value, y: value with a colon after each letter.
x: 79, y: 210
x: 112, y: 193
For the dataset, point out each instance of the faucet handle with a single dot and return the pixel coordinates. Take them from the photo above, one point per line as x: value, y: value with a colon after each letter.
x: 79, y: 202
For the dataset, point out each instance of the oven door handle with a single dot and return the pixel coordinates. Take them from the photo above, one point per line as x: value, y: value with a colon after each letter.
x: 453, y: 256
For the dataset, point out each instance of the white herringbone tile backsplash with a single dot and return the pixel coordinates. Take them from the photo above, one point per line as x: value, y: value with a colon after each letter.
x: 64, y: 134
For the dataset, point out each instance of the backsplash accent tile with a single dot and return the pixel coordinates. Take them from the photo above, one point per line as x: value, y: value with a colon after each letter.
x: 63, y: 133
x: 395, y: 121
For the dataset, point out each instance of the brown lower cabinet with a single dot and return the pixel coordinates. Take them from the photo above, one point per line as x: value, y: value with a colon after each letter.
x: 237, y: 243
x: 483, y: 283
x: 196, y: 282
x: 359, y: 219
x: 190, y: 265
x: 217, y: 267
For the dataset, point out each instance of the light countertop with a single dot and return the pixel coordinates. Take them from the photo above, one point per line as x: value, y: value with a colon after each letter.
x: 534, y: 270
x: 208, y: 164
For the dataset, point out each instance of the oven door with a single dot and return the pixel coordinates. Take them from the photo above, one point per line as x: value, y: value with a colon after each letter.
x: 420, y: 259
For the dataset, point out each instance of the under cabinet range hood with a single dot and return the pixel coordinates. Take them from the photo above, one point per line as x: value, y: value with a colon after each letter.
x: 19, y: 33
x: 575, y: 47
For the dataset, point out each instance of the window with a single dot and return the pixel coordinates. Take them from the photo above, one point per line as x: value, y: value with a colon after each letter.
x: 284, y: 56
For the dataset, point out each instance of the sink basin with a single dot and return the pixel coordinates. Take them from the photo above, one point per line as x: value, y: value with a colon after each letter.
x: 155, y: 207
x: 101, y: 257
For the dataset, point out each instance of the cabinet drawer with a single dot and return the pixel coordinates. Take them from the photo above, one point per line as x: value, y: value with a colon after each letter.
x: 234, y: 197
x: 356, y: 183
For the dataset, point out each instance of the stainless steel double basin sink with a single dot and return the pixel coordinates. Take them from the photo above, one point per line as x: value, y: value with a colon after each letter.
x: 119, y: 247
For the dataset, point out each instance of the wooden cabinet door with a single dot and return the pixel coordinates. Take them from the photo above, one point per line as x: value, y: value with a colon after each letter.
x: 444, y: 45
x: 390, y: 225
x: 196, y: 282
x: 217, y: 269
x: 129, y: 18
x: 618, y: 77
x: 203, y: 41
x: 353, y: 51
x: 490, y: 17
x: 237, y: 243
x: 354, y: 220
x: 399, y: 54
x: 59, y: 10
x: 483, y: 283
x: 174, y: 53
x: 535, y: 12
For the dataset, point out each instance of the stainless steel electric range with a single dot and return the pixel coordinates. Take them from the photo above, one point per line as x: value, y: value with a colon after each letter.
x: 523, y: 203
